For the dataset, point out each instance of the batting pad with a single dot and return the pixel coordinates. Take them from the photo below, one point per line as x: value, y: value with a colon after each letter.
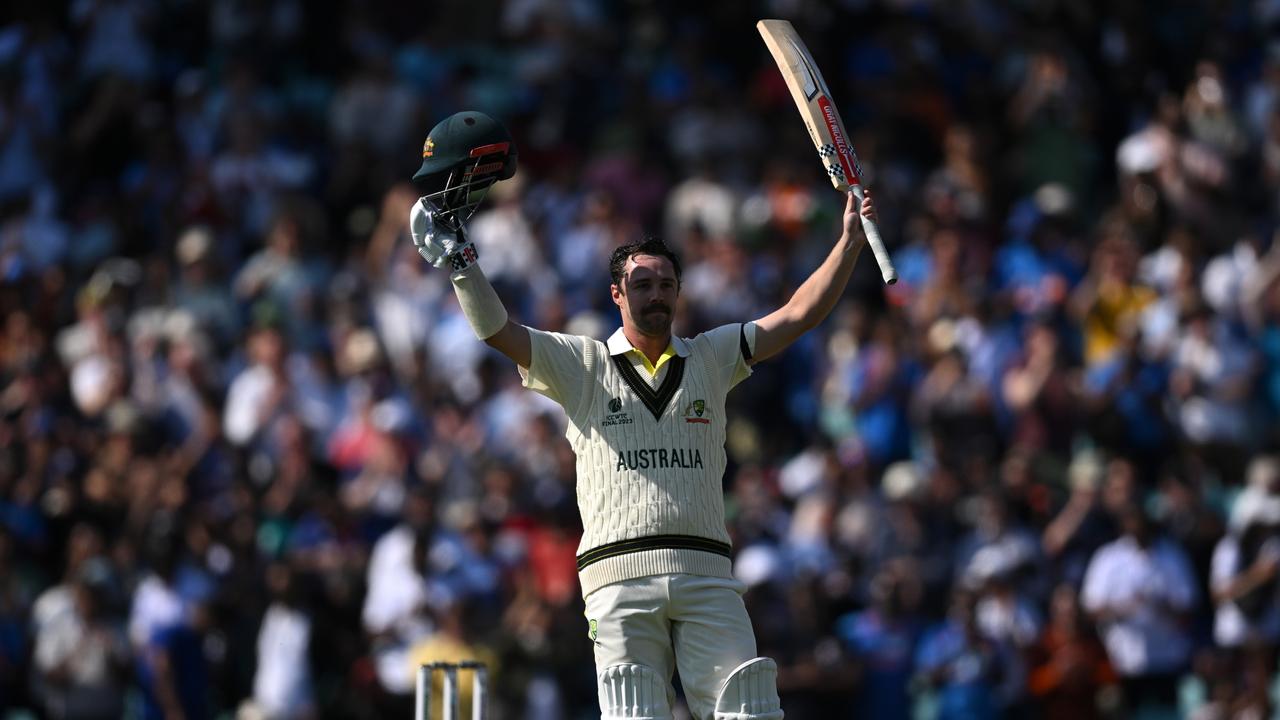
x: 750, y: 692
x: 633, y: 692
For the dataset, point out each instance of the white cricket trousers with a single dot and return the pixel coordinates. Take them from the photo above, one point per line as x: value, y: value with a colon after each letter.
x: 691, y: 623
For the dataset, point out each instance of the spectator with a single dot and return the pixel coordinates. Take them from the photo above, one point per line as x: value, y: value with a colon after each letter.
x: 1069, y: 666
x: 963, y: 667
x: 211, y: 317
x: 454, y: 640
x: 1082, y: 525
x: 1140, y: 589
x: 282, y: 686
x: 166, y: 636
x: 1211, y: 381
x: 1038, y: 391
x: 398, y: 595
x: 882, y: 642
x: 14, y: 602
x: 1109, y: 299
x: 81, y: 654
x: 997, y: 545
x: 259, y: 394
x: 1243, y: 578
x: 201, y: 288
x: 285, y: 276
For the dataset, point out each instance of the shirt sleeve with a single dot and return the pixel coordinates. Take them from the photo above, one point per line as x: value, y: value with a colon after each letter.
x: 558, y: 369
x: 727, y: 347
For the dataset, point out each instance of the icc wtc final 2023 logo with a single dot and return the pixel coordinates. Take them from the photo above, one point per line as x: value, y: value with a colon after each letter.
x: 616, y: 416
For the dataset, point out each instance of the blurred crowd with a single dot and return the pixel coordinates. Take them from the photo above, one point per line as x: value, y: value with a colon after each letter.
x: 254, y: 464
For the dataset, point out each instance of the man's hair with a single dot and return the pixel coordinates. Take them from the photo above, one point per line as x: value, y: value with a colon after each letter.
x: 648, y: 246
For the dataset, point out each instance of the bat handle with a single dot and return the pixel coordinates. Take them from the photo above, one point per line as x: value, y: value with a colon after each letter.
x: 887, y: 270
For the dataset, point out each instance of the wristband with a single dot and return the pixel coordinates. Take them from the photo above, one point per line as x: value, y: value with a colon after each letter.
x: 465, y: 257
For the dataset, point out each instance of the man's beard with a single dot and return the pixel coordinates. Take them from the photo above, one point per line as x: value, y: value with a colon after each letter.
x: 654, y: 320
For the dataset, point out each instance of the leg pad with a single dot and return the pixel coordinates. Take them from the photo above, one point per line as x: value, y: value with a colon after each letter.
x: 633, y: 692
x: 750, y: 692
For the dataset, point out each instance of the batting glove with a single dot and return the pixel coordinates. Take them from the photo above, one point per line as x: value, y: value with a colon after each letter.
x: 438, y: 244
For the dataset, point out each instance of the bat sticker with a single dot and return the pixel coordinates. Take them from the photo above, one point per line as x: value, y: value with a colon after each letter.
x: 811, y: 85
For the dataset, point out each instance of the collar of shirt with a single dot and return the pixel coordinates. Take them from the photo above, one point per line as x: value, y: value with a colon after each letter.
x: 619, y: 345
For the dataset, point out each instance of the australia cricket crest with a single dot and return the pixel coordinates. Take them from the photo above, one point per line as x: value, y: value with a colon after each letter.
x: 696, y: 411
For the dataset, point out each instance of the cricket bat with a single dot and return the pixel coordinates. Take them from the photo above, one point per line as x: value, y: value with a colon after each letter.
x: 826, y: 129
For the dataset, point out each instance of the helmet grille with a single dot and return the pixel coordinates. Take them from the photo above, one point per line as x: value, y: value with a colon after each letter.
x: 462, y: 192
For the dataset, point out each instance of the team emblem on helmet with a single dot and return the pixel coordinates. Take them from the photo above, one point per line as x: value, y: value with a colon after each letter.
x: 428, y: 147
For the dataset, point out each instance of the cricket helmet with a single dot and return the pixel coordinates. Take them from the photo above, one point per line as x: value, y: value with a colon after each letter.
x: 463, y: 156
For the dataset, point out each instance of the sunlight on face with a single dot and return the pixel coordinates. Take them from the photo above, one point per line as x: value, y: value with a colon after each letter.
x: 648, y: 296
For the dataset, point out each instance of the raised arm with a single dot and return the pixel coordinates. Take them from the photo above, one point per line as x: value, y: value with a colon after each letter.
x: 481, y: 305
x: 513, y: 341
x: 818, y: 294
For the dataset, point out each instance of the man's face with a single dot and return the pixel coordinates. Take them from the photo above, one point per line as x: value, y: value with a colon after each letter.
x: 647, y: 296
x: 1135, y: 524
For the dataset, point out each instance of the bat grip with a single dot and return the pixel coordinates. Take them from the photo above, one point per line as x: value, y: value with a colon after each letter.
x: 887, y: 270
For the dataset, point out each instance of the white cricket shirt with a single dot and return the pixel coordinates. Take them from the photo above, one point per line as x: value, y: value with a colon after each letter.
x: 650, y: 449
x: 1154, y: 584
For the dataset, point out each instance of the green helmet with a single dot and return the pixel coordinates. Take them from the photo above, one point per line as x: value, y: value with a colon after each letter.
x: 462, y: 157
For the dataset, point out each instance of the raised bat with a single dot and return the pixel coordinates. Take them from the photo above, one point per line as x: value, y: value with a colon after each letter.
x: 826, y: 129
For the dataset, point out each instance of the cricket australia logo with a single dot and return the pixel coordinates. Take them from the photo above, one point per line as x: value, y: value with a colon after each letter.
x: 616, y: 416
x: 694, y: 412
